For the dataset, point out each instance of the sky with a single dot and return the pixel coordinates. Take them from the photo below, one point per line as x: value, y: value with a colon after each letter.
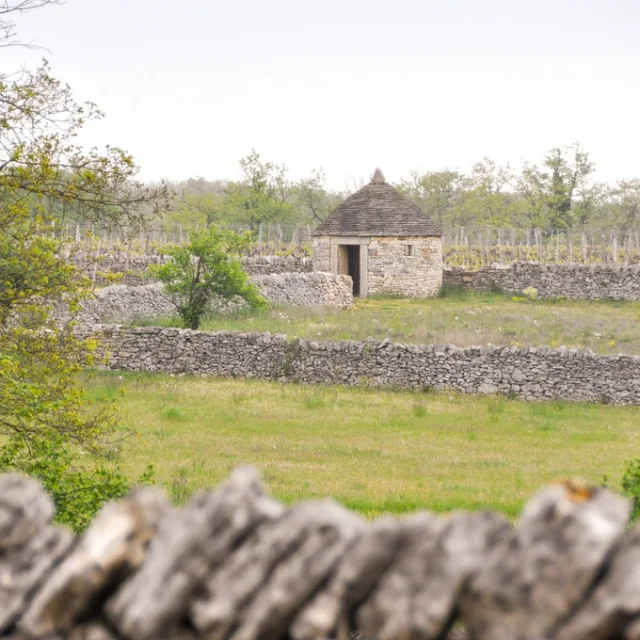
x: 347, y: 85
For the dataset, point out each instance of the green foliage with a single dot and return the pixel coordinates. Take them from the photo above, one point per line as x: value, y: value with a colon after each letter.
x: 623, y: 208
x: 45, y: 179
x: 198, y: 210
x: 631, y: 487
x: 558, y: 195
x: 440, y: 193
x: 312, y: 200
x: 205, y: 269
x: 39, y: 391
x: 263, y: 196
x: 78, y: 490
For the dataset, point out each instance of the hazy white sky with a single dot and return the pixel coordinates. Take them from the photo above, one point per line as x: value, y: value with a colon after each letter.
x: 346, y: 85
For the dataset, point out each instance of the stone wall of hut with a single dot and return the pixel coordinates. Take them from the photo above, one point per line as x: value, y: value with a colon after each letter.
x: 322, y: 254
x: 407, y: 266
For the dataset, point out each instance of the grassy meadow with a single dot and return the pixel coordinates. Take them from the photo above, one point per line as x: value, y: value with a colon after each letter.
x: 375, y: 451
x: 463, y: 319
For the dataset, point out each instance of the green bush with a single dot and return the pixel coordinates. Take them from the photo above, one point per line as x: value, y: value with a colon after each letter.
x: 206, y: 268
x: 78, y: 488
x: 631, y: 487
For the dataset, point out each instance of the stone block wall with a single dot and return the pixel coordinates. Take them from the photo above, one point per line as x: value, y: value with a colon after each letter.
x: 132, y: 269
x: 125, y: 304
x: 306, y: 289
x: 234, y: 563
x: 410, y: 266
x: 526, y: 373
x: 571, y: 281
x: 129, y: 268
x: 266, y: 265
x: 322, y: 254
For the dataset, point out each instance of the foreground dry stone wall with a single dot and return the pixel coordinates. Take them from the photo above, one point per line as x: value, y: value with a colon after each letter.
x: 528, y: 373
x: 235, y: 564
x: 571, y: 281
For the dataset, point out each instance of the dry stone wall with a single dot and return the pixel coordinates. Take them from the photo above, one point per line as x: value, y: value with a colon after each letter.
x: 390, y: 267
x: 527, y: 373
x: 125, y: 304
x: 235, y: 564
x: 306, y: 289
x: 571, y: 281
x: 132, y: 269
x: 128, y: 268
x: 267, y: 265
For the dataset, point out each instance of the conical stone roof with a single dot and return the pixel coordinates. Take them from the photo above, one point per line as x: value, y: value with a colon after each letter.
x: 378, y: 209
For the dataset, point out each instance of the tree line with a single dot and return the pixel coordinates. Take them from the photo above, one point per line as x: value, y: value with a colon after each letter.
x: 559, y: 193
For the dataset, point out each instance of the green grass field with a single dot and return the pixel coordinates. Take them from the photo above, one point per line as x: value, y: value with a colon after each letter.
x: 463, y: 320
x: 373, y: 450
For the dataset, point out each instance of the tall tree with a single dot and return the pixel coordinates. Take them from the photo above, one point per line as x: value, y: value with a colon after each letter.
x: 313, y: 201
x: 623, y: 204
x: 558, y: 194
x: 438, y: 193
x: 263, y: 196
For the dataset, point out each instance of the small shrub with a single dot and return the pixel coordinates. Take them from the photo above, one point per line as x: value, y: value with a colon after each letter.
x: 78, y: 490
x: 631, y: 487
x: 206, y: 268
x: 530, y: 293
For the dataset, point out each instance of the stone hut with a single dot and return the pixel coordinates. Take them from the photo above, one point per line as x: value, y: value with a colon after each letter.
x: 385, y: 242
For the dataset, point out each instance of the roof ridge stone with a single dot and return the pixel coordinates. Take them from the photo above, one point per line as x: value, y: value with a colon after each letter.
x: 378, y: 177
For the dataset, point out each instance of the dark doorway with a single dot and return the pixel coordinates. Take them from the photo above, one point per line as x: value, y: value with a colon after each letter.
x: 353, y: 260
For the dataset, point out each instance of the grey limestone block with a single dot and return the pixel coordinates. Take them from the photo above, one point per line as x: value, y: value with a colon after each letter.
x: 189, y: 545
